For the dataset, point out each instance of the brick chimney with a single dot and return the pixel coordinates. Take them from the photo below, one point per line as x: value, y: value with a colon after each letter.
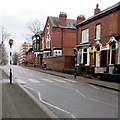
x: 96, y: 10
x: 80, y: 18
x: 62, y: 19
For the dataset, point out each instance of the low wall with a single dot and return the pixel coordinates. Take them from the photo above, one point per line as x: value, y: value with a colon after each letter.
x: 60, y: 63
x: 110, y: 77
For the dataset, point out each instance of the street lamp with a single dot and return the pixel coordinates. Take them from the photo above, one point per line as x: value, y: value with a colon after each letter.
x: 75, y: 53
x: 10, y: 43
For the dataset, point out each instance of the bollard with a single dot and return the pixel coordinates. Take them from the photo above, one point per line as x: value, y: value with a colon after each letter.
x: 10, y: 76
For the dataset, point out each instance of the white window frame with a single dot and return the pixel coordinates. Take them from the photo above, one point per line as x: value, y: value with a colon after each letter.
x: 48, y: 42
x: 119, y: 52
x: 111, y: 50
x: 43, y: 43
x: 88, y: 56
x: 98, y: 31
x: 85, y: 35
x: 57, y: 53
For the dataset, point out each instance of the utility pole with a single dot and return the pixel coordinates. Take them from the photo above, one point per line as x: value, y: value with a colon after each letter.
x: 75, y: 53
x: 10, y: 43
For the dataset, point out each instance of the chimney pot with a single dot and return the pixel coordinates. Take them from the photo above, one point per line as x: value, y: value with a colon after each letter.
x: 96, y: 10
x: 80, y: 18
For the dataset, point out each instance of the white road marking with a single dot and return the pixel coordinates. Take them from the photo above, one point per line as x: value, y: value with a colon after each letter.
x: 47, y: 80
x: 93, y: 86
x: 72, y: 89
x: 21, y: 81
x: 31, y: 88
x: 39, y: 95
x: 40, y: 98
x: 55, y: 107
x: 34, y: 80
x: 80, y: 93
x: 58, y: 80
x: 102, y: 102
x: 70, y: 80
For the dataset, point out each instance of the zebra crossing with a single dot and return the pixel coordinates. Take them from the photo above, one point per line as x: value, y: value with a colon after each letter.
x: 32, y: 80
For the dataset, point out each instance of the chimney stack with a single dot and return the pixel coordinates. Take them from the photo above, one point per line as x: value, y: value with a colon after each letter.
x: 62, y: 19
x: 96, y: 10
x: 80, y: 18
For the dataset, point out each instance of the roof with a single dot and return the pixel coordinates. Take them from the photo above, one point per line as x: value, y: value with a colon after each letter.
x: 94, y: 17
x: 39, y: 33
x: 71, y: 24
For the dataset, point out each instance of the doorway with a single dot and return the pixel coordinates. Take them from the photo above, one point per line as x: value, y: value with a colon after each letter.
x: 104, y: 58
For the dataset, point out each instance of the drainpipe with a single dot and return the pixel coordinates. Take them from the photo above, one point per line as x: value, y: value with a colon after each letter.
x: 62, y: 40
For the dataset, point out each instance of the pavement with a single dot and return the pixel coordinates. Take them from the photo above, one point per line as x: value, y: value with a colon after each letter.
x: 101, y: 83
x: 15, y: 103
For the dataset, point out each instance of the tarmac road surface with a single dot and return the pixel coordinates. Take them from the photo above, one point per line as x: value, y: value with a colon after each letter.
x: 65, y: 97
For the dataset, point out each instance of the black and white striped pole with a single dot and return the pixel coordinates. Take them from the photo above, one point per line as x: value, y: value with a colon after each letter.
x: 75, y: 53
x: 10, y: 43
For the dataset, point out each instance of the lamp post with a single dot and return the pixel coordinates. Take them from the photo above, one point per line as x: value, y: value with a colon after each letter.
x: 75, y: 53
x: 10, y: 43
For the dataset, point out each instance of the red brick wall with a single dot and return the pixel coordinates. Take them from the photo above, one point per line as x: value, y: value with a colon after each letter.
x: 57, y: 35
x: 30, y: 57
x: 60, y: 63
x: 109, y: 26
x: 65, y: 38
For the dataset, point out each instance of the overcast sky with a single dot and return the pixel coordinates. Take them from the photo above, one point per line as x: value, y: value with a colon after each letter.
x: 15, y: 15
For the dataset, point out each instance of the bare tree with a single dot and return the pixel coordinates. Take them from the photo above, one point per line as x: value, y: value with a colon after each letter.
x: 33, y: 28
x: 3, y: 55
x: 3, y: 36
x: 15, y: 58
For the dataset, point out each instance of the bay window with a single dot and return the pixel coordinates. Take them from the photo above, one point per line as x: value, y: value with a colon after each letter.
x: 83, y: 56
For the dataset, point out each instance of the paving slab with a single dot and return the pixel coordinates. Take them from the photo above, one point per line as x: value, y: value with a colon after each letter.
x: 15, y: 103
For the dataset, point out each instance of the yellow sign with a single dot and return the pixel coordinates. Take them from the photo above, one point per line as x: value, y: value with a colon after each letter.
x: 91, y: 49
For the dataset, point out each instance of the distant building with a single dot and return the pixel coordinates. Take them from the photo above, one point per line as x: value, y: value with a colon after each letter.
x: 98, y: 39
x: 30, y: 57
x: 37, y: 45
x: 23, y: 49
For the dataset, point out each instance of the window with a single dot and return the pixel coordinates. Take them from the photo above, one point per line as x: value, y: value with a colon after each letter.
x: 113, y: 53
x: 48, y: 28
x: 57, y: 52
x: 42, y: 43
x: 83, y: 56
x: 85, y: 36
x: 98, y: 31
x: 37, y: 46
x: 48, y: 41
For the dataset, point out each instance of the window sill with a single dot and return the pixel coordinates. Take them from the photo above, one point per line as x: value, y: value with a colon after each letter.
x: 96, y: 39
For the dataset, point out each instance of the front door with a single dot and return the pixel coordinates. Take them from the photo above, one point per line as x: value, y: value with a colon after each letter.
x: 104, y: 58
x: 98, y: 59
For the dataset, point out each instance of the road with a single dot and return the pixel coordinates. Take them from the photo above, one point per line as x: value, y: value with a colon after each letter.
x: 65, y: 97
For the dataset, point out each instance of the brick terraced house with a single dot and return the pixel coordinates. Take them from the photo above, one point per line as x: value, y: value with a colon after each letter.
x: 59, y: 36
x: 98, y: 39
